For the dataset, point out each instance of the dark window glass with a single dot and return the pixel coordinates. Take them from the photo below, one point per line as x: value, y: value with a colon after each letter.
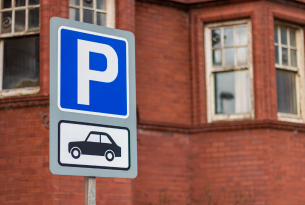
x: 21, y: 62
x: 286, y: 91
x: 34, y: 19
x: 284, y: 36
x: 19, y: 20
x: 101, y: 4
x: 216, y: 38
x: 276, y: 38
x: 101, y: 19
x: 6, y: 24
x: 293, y: 39
x: 276, y: 52
x: 284, y: 56
x: 19, y: 3
x: 88, y: 3
x: 88, y: 16
x: 6, y: 4
x: 34, y: 2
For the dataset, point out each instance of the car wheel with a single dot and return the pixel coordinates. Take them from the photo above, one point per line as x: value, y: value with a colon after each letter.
x: 109, y: 155
x: 75, y: 152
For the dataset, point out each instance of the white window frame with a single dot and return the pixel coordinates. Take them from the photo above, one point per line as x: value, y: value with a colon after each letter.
x: 299, y: 70
x: 110, y: 12
x: 210, y: 70
x: 16, y: 91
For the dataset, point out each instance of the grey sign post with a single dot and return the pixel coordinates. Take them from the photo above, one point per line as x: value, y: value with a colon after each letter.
x: 92, y: 100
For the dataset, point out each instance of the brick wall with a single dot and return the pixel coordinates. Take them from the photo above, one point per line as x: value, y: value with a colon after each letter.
x: 179, y: 154
x: 162, y: 59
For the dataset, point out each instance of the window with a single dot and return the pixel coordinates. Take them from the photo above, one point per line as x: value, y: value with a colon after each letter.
x: 94, y: 138
x: 288, y: 47
x: 104, y: 139
x: 99, y: 12
x: 229, y: 70
x: 19, y: 47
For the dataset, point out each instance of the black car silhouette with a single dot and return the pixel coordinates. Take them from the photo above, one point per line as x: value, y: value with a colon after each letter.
x: 89, y: 147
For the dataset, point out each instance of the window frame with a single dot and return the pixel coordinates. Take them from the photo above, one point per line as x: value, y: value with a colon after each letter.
x: 299, y: 70
x: 110, y: 12
x: 210, y: 70
x: 25, y: 90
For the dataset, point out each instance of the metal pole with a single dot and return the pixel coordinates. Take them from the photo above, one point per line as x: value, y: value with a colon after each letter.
x: 90, y: 190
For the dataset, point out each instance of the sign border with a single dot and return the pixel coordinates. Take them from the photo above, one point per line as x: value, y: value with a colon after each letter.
x: 97, y: 125
x: 59, y: 72
x: 57, y: 115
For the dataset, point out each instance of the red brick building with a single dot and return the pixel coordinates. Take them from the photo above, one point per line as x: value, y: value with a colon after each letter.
x: 220, y: 98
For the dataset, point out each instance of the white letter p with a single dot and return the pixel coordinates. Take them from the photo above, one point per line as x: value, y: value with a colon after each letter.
x: 84, y: 74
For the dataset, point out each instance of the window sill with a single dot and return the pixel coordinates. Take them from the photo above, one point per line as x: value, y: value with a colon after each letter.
x: 19, y: 92
x: 289, y: 118
x: 26, y: 100
x: 231, y: 117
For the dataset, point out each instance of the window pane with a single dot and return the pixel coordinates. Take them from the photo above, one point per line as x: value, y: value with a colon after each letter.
x: 88, y: 16
x: 242, y: 92
x: 33, y: 2
x: 229, y: 57
x: 19, y: 3
x: 88, y: 3
x: 21, y: 62
x: 229, y: 37
x: 217, y: 58
x: 74, y: 2
x: 292, y: 37
x: 101, y: 19
x: 284, y: 36
x: 94, y: 138
x: 286, y: 91
x: 6, y: 4
x: 6, y: 26
x: 216, y: 38
x: 74, y: 14
x: 232, y: 92
x: 276, y: 53
x: 19, y: 20
x: 34, y: 19
x: 101, y: 4
x: 276, y: 38
x: 284, y: 56
x: 242, y: 56
x: 224, y: 93
x: 241, y: 36
x: 104, y: 139
x: 293, y: 56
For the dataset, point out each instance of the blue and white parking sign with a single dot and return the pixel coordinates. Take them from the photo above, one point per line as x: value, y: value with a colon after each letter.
x: 93, y: 129
x: 93, y: 73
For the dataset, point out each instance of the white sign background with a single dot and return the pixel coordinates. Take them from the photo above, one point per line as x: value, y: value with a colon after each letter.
x: 70, y: 132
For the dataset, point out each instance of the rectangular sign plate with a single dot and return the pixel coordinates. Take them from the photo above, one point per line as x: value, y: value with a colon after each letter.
x: 92, y: 100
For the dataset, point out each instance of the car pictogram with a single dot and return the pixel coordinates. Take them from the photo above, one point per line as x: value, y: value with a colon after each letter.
x: 96, y: 143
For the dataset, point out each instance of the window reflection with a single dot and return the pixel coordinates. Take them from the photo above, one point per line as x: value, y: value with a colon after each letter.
x: 232, y: 92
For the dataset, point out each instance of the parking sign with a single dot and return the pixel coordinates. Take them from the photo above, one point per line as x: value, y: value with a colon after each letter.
x: 92, y: 100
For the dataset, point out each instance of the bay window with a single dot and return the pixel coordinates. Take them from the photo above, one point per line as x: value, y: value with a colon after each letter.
x: 99, y: 12
x: 288, y: 47
x: 228, y: 56
x: 19, y: 47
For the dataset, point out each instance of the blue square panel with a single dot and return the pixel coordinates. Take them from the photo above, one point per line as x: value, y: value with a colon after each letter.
x: 93, y: 71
